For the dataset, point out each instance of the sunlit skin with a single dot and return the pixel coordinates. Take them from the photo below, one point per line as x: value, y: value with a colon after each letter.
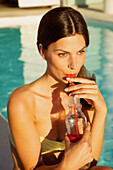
x: 63, y: 57
x: 39, y: 109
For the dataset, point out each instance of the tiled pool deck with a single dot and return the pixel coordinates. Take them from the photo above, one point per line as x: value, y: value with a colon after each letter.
x: 94, y: 11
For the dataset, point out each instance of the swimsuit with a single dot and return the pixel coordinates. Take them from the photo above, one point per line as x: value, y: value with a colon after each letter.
x: 47, y: 145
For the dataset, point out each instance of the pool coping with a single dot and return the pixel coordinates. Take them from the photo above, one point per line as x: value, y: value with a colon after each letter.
x: 32, y: 13
x: 99, y: 15
x: 13, y: 21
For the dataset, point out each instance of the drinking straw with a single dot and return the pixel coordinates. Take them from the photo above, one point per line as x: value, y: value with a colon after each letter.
x: 71, y: 84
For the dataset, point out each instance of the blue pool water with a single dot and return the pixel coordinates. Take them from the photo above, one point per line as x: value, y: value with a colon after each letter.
x: 20, y: 63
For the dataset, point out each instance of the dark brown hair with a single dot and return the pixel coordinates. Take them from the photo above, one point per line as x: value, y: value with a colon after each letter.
x: 61, y: 22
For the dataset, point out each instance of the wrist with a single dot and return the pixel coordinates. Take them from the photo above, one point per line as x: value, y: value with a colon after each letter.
x: 63, y: 165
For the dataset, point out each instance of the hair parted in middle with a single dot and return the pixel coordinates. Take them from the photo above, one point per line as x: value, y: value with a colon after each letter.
x: 59, y: 23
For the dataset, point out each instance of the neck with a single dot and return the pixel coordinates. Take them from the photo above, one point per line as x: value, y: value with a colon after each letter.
x: 52, y: 85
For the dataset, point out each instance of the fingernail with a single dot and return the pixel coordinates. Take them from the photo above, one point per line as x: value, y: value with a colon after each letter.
x: 75, y: 96
x: 88, y: 123
x: 66, y: 134
x: 66, y: 89
x: 67, y: 78
x: 71, y: 94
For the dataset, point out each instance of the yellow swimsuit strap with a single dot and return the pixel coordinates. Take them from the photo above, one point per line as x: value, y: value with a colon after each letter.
x: 48, y: 145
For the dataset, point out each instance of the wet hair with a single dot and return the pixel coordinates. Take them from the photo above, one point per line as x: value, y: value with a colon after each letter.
x: 61, y: 22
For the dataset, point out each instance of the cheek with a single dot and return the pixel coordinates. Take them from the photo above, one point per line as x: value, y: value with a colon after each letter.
x: 82, y: 60
x: 58, y: 63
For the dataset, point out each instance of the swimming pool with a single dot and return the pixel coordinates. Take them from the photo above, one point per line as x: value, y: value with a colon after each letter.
x: 20, y: 63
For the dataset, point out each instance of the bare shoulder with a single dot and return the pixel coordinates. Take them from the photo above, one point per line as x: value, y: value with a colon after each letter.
x: 21, y: 101
x: 21, y: 109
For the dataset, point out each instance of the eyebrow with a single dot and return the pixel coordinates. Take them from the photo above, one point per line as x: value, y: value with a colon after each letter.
x: 83, y: 48
x: 67, y: 51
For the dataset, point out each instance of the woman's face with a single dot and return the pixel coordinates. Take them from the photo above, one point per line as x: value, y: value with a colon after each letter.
x: 65, y: 56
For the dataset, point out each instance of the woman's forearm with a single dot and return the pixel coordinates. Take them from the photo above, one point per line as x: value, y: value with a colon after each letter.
x: 97, y: 133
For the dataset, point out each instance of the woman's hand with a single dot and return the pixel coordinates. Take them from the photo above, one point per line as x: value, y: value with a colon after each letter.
x: 88, y: 90
x: 79, y: 153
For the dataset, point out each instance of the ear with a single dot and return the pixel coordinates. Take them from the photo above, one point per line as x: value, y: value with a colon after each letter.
x: 42, y: 51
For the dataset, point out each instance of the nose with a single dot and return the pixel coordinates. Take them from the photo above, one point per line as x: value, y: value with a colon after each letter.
x: 72, y: 63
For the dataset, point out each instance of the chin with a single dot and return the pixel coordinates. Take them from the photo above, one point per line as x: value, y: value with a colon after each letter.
x: 64, y: 80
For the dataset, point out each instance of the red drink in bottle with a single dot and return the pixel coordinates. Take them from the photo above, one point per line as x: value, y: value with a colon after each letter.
x: 74, y: 138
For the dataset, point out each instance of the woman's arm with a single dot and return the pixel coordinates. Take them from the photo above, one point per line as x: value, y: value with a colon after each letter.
x: 26, y: 139
x: 89, y: 90
x: 97, y: 132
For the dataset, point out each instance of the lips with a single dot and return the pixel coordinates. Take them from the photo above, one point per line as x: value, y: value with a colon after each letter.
x: 71, y: 75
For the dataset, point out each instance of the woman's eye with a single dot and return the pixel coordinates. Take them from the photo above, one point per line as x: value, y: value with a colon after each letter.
x: 81, y: 52
x: 62, y: 54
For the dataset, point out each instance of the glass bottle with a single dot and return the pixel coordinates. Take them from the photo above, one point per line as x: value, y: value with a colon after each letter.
x: 76, y: 122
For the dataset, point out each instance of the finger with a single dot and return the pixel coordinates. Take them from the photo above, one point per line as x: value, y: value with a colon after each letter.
x: 86, y: 132
x: 81, y: 80
x: 82, y: 86
x: 87, y: 91
x: 93, y: 97
x: 89, y: 101
x: 67, y: 142
x: 89, y: 140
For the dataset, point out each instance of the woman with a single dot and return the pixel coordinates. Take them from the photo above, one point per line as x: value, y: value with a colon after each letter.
x: 37, y: 111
